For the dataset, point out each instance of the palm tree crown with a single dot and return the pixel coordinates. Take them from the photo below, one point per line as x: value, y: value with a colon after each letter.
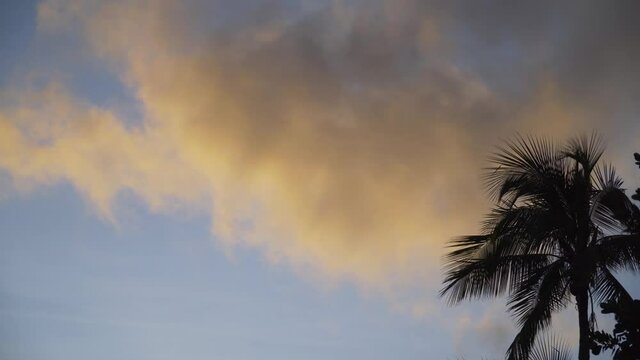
x: 560, y: 228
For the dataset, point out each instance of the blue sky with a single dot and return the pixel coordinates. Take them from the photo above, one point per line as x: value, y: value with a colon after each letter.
x: 276, y: 179
x: 75, y: 287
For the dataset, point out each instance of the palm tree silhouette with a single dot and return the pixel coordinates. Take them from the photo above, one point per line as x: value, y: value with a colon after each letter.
x: 560, y: 229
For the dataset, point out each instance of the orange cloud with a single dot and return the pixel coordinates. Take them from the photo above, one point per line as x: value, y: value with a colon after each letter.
x: 48, y: 136
x: 322, y: 150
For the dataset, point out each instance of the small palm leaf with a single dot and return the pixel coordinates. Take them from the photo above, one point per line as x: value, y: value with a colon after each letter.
x: 551, y: 348
x: 586, y: 150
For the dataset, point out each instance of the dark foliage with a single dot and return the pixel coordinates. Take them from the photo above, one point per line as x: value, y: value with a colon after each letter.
x: 624, y: 342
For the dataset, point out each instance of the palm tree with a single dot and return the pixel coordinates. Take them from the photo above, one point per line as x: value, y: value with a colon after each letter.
x: 557, y: 231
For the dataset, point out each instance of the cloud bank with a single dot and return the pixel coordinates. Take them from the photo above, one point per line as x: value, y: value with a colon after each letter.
x: 343, y: 138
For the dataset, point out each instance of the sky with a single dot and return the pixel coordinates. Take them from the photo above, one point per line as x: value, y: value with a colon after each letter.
x: 278, y: 179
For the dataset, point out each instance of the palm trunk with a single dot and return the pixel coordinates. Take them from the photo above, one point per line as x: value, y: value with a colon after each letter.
x: 583, y: 321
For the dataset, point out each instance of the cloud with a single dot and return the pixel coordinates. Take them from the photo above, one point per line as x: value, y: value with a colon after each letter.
x: 489, y: 332
x: 342, y: 139
x: 48, y: 136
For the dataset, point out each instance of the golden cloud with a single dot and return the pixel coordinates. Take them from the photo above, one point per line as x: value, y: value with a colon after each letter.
x: 325, y: 142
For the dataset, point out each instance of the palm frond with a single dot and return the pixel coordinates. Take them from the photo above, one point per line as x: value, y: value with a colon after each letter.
x: 606, y: 287
x: 465, y: 246
x: 619, y: 252
x: 551, y: 348
x: 535, y: 228
x: 586, y: 151
x: 533, y: 305
x: 605, y: 176
x: 524, y: 159
x: 487, y: 267
x: 611, y: 209
x: 527, y: 292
